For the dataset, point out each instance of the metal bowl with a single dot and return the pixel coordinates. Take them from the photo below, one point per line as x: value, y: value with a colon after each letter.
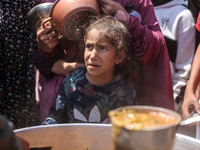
x: 156, y: 138
x: 37, y: 14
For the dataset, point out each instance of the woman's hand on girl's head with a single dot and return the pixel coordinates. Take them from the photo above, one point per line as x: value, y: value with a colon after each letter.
x: 47, y: 38
x: 115, y: 9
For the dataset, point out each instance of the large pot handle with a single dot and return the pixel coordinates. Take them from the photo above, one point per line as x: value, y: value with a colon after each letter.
x: 191, y: 120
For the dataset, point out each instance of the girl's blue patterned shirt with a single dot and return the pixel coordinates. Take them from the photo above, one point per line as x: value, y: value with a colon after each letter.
x: 79, y: 101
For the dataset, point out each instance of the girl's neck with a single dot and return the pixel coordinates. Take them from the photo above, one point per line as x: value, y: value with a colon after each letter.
x: 98, y: 80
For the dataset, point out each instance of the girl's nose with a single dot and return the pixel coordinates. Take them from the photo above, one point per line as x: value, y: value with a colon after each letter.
x: 94, y: 54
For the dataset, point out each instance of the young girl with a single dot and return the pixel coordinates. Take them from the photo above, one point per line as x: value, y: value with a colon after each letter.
x: 88, y: 93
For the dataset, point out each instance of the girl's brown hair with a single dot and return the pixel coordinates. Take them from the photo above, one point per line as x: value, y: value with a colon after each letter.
x: 118, y: 36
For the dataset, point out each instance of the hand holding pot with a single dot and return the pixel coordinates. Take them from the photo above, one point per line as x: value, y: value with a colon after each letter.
x: 190, y: 101
x: 47, y: 38
x: 70, y: 17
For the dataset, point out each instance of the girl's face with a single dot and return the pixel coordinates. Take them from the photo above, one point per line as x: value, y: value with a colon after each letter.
x: 100, y: 58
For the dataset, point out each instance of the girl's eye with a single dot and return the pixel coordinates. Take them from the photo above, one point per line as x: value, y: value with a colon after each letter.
x: 89, y: 47
x: 103, y: 49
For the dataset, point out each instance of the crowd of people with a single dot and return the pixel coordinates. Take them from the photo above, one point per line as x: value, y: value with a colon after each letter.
x: 105, y: 83
x: 154, y: 84
x: 142, y: 56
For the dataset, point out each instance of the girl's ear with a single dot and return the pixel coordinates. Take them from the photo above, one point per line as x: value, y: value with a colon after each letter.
x: 120, y: 57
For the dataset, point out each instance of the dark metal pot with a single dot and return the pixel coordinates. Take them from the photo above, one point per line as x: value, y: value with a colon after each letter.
x: 37, y: 14
x: 86, y: 136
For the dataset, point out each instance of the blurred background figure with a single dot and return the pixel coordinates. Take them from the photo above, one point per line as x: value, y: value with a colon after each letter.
x: 194, y: 6
x: 17, y: 100
x: 8, y: 140
x: 178, y: 27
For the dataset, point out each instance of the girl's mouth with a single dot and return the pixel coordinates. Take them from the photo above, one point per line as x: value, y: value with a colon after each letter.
x: 93, y: 65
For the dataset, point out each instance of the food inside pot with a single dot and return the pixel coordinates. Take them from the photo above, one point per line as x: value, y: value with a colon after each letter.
x: 136, y: 120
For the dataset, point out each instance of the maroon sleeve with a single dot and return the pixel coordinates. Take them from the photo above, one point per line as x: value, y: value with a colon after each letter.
x: 149, y: 48
x: 44, y: 62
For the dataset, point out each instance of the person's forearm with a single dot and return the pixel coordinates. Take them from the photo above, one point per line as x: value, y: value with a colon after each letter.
x: 194, y: 79
x: 191, y: 96
x: 43, y: 63
x: 63, y: 68
x: 58, y: 68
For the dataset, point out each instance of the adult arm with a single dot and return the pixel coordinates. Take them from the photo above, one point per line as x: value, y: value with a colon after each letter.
x: 190, y: 97
x: 54, y: 65
x: 149, y: 48
x: 52, y: 55
x: 147, y: 40
x: 145, y: 35
x: 44, y: 63
x: 64, y: 68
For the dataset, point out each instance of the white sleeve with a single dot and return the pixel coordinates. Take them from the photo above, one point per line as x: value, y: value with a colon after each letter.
x: 185, y: 50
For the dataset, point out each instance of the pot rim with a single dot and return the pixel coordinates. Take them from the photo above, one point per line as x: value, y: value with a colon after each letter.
x: 51, y: 10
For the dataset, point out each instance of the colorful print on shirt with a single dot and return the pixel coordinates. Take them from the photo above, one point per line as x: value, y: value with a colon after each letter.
x: 79, y: 101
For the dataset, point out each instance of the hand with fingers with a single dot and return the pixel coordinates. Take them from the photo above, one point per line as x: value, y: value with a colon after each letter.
x: 116, y: 10
x: 47, y: 38
x: 190, y: 103
x: 192, y: 91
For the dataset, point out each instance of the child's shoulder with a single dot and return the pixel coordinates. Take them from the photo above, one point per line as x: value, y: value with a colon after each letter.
x: 79, y: 71
x: 76, y: 75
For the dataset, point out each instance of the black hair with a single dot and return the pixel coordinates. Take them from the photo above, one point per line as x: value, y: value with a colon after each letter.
x: 159, y: 2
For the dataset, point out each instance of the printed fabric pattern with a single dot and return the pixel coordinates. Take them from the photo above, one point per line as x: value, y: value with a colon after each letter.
x: 79, y: 101
x: 17, y: 49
